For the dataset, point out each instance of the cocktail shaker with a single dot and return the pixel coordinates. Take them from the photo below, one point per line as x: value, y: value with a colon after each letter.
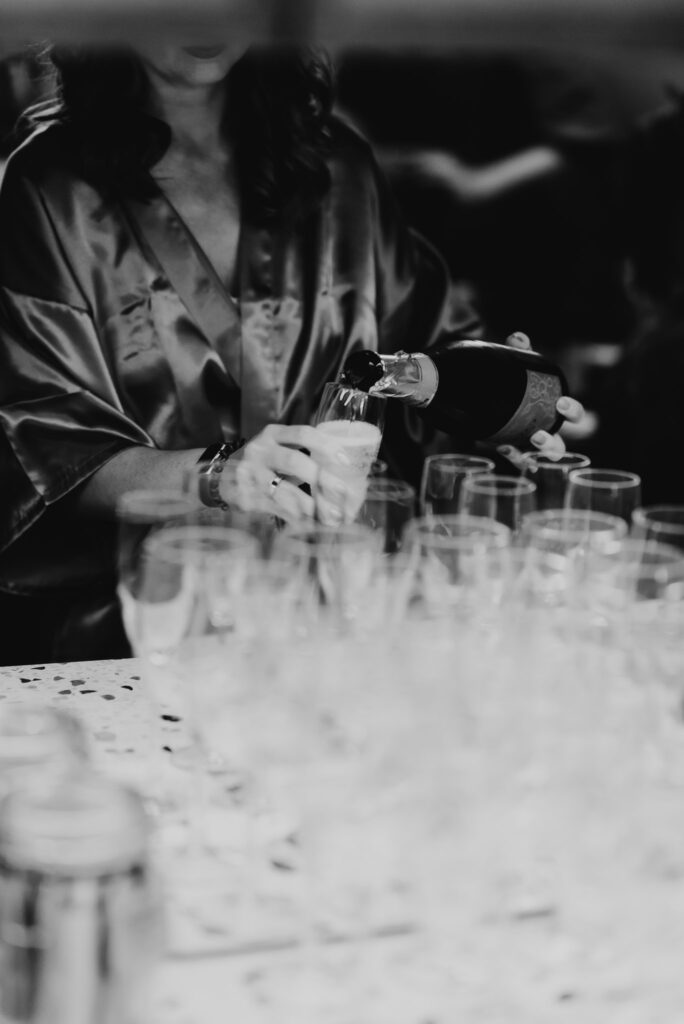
x: 37, y: 738
x: 80, y: 917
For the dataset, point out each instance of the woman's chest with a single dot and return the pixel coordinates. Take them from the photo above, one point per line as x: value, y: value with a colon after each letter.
x: 208, y: 204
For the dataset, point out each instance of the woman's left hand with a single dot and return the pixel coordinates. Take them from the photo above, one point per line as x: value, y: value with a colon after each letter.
x: 551, y: 445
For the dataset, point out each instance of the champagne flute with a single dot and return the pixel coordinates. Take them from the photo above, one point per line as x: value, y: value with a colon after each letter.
x: 443, y: 475
x: 388, y: 507
x: 571, y: 531
x: 352, y: 421
x: 604, y: 490
x: 504, y: 498
x: 551, y: 476
x: 141, y: 513
x: 340, y: 560
x: 663, y: 523
x: 168, y: 606
x: 629, y: 588
x: 449, y: 550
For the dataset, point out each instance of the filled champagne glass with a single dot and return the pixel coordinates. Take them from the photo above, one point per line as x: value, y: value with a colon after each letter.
x: 352, y: 421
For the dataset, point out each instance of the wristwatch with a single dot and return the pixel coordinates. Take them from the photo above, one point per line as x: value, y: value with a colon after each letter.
x: 212, y: 462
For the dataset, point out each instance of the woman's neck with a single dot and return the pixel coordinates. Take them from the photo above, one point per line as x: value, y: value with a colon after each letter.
x: 194, y: 113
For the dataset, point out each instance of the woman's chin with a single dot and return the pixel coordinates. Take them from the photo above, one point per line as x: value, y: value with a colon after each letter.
x: 192, y: 64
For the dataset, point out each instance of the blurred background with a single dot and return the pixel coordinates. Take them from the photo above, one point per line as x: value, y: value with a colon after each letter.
x: 537, y: 145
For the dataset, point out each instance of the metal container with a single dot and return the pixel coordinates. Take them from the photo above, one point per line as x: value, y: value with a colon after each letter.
x: 35, y: 737
x: 79, y: 909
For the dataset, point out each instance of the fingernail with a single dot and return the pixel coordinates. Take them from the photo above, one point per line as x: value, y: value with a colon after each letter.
x: 505, y: 450
x: 563, y: 404
x: 540, y: 438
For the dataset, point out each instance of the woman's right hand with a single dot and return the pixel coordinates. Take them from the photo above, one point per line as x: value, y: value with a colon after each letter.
x: 267, y: 473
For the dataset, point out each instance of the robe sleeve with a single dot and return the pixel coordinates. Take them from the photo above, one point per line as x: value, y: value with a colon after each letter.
x: 60, y: 415
x: 418, y: 304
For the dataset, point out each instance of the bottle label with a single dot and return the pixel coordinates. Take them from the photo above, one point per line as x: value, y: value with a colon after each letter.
x: 537, y: 410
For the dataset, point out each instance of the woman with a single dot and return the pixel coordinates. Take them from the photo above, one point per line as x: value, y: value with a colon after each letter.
x: 191, y: 244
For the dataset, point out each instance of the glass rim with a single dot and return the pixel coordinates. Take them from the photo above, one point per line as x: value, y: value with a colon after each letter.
x: 310, y: 536
x: 336, y: 385
x: 175, y: 544
x: 540, y: 518
x: 641, y: 516
x: 391, y: 486
x: 524, y: 553
x: 565, y: 460
x: 452, y: 458
x: 492, y: 483
x: 615, y: 477
x: 669, y: 555
x: 145, y: 499
x: 422, y: 529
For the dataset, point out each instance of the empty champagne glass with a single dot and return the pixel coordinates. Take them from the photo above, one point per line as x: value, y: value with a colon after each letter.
x: 662, y: 523
x: 139, y: 514
x: 504, y: 498
x: 604, y: 490
x: 440, y: 488
x: 571, y: 531
x: 388, y: 507
x: 638, y: 570
x: 450, y: 550
x: 189, y: 584
x: 517, y: 578
x: 193, y: 593
x: 339, y: 559
x: 551, y: 476
x: 259, y: 519
x: 577, y: 536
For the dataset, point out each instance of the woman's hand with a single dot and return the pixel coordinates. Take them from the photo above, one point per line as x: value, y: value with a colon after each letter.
x: 551, y: 445
x: 266, y: 476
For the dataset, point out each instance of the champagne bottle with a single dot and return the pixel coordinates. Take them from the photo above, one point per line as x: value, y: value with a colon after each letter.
x: 488, y: 392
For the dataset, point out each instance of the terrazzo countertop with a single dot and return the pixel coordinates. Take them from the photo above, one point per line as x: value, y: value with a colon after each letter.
x: 214, y: 970
x: 129, y: 739
x: 609, y: 953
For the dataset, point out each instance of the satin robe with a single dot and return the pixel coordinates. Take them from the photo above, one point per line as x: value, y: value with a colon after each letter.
x: 116, y: 331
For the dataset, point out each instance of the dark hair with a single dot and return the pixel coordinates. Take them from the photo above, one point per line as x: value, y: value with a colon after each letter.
x: 277, y: 116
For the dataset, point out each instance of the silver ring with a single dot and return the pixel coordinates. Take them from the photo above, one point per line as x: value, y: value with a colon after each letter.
x: 275, y: 483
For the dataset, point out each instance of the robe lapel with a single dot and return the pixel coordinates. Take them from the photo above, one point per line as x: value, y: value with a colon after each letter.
x: 193, y: 279
x: 262, y: 367
x: 252, y: 348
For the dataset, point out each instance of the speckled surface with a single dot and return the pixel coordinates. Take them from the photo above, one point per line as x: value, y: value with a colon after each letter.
x: 131, y: 740
x: 611, y: 953
x: 228, y: 958
x: 222, y: 963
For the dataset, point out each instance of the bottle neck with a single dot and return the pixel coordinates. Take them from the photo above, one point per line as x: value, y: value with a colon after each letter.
x: 411, y: 377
